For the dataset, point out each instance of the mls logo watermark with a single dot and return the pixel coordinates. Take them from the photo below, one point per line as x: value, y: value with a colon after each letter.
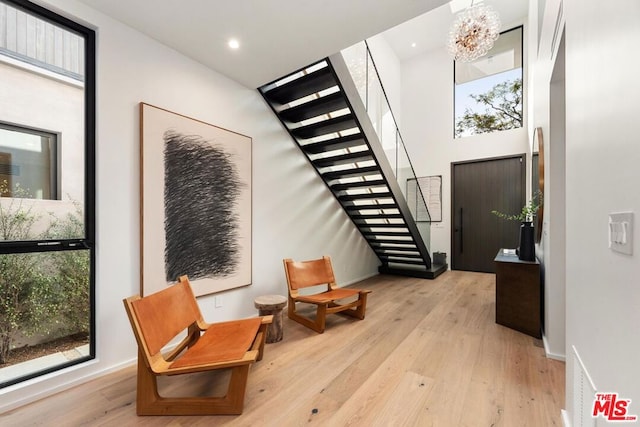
x: 611, y: 408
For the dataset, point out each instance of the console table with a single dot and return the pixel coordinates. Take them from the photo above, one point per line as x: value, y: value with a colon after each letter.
x: 518, y: 294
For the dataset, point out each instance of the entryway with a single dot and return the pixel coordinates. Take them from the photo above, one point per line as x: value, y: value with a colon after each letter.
x: 478, y: 187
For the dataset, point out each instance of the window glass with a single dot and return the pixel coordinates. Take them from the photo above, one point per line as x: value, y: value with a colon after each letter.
x: 27, y: 163
x: 488, y: 91
x: 35, y: 40
x: 45, y: 312
x: 47, y: 114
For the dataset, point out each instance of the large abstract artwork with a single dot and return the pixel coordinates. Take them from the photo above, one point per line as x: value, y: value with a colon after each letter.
x: 195, y: 203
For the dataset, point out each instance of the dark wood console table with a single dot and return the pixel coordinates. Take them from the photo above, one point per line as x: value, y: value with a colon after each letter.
x: 518, y: 294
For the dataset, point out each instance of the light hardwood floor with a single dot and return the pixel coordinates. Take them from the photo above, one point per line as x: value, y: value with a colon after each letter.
x: 429, y: 353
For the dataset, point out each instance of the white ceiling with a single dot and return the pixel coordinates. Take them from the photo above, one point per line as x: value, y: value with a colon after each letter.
x: 281, y: 36
x: 276, y: 37
x: 429, y: 31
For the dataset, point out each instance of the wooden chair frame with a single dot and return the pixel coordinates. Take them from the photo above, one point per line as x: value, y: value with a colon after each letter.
x: 304, y: 274
x: 153, y: 363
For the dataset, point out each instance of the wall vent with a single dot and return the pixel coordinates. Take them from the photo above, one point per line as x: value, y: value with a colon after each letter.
x: 584, y: 392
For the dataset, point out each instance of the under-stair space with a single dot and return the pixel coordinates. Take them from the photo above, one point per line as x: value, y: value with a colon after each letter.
x: 322, y: 111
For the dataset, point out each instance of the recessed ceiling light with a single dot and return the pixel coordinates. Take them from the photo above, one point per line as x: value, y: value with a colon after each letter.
x: 234, y: 43
x: 414, y: 44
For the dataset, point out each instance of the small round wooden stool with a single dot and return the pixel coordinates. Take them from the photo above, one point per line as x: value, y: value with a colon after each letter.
x: 272, y: 304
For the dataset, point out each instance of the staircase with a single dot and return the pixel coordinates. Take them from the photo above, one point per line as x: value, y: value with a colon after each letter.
x: 322, y: 111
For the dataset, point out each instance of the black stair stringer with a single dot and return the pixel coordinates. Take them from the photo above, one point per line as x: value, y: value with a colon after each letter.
x: 351, y: 163
x: 366, y: 128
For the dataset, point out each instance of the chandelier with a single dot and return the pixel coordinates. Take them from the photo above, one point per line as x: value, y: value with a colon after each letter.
x: 473, y: 32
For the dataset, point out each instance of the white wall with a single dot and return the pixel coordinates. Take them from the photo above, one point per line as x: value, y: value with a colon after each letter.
x: 389, y: 68
x: 602, y: 153
x: 294, y: 215
x: 38, y: 101
x: 378, y: 99
x: 552, y: 247
x: 427, y: 128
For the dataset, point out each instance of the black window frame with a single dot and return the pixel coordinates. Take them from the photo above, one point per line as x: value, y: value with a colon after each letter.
x: 89, y: 241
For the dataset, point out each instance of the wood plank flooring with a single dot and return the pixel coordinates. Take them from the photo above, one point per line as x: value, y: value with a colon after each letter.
x: 429, y: 353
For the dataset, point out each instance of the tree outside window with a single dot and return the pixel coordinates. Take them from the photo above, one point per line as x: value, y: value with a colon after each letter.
x: 488, y: 91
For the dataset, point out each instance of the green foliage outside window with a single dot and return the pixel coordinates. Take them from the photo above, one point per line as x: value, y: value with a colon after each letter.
x: 502, y: 110
x: 72, y: 274
x: 40, y: 292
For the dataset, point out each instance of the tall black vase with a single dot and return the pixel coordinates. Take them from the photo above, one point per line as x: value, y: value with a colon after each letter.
x: 526, y: 249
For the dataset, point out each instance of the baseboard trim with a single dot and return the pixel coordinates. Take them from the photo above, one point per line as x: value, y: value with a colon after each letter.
x: 35, y: 396
x: 430, y: 274
x: 549, y: 354
x: 365, y: 277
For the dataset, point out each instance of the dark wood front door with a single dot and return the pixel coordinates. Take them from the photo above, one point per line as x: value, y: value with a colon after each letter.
x: 477, y: 188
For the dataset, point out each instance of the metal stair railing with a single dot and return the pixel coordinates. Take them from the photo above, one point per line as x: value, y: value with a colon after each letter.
x: 374, y: 97
x: 389, y: 168
x: 319, y: 105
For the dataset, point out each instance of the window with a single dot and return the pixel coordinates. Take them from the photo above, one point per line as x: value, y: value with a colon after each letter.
x: 47, y: 192
x: 28, y: 166
x: 488, y: 91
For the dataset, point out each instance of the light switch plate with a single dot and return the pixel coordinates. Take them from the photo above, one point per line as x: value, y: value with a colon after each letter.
x: 621, y: 232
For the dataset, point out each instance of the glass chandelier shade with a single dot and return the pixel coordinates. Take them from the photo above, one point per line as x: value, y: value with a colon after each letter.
x: 473, y: 33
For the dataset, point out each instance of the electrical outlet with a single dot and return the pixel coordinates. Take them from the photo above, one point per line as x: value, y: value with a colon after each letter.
x: 218, y: 301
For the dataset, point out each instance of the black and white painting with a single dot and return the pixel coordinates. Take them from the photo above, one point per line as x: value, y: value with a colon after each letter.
x: 195, y: 203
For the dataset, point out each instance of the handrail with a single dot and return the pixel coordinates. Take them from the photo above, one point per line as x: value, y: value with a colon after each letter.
x: 395, y: 122
x: 400, y: 148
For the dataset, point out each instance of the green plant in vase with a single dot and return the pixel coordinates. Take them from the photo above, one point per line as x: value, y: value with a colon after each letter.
x: 528, y: 211
x: 526, y: 250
